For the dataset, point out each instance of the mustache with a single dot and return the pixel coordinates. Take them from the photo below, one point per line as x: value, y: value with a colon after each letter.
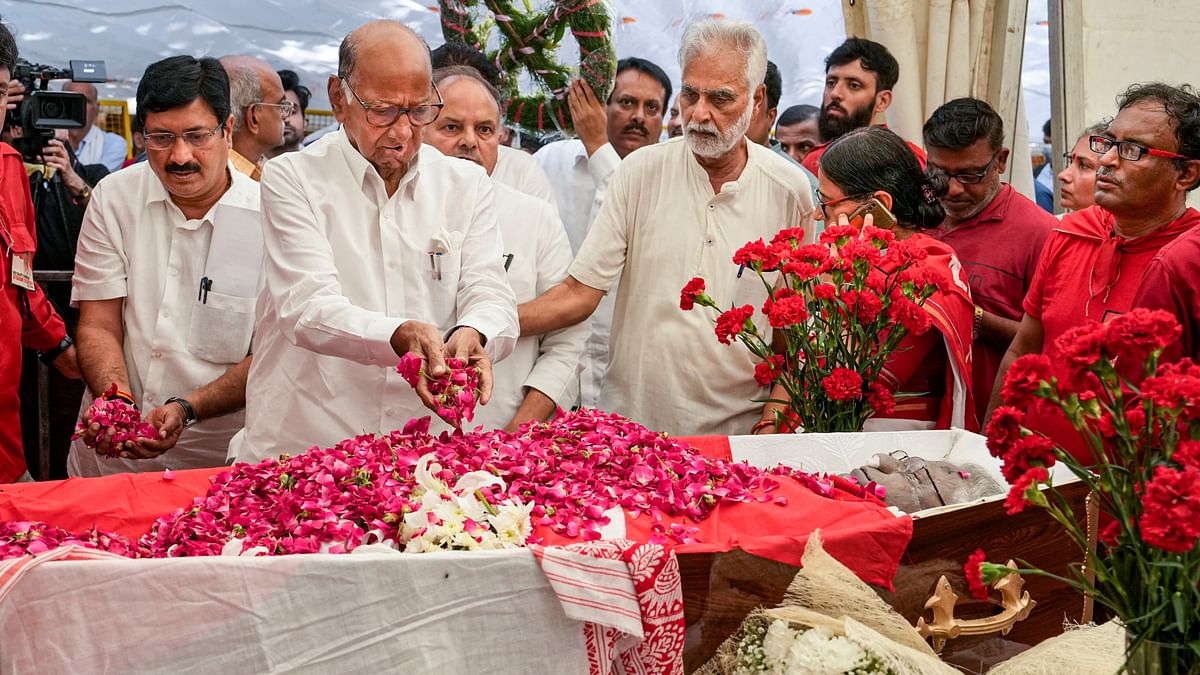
x: 469, y: 156
x: 1104, y: 172
x: 636, y: 126
x: 837, y: 106
x: 703, y: 128
x: 182, y: 168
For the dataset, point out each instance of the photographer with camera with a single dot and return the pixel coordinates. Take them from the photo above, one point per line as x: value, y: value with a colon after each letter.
x: 27, y: 319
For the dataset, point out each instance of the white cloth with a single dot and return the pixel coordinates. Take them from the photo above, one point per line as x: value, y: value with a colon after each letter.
x: 136, y: 244
x: 455, y: 612
x: 346, y: 266
x: 580, y: 183
x: 534, y: 237
x: 102, y: 147
x: 520, y: 171
x: 660, y: 226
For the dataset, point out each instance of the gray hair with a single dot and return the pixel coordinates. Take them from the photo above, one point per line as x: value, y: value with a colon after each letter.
x: 1096, y: 129
x: 245, y: 89
x: 702, y: 37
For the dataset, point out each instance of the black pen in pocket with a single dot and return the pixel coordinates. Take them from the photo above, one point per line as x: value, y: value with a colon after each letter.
x: 508, y: 258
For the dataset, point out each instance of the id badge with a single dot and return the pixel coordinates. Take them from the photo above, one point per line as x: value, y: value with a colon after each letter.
x: 22, y: 270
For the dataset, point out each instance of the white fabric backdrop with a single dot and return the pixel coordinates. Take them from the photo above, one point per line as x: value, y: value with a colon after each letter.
x: 459, y: 612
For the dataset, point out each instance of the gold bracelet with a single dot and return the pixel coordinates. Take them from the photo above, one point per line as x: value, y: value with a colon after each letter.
x: 762, y: 424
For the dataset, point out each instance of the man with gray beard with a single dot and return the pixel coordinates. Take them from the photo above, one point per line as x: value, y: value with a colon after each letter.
x: 678, y: 210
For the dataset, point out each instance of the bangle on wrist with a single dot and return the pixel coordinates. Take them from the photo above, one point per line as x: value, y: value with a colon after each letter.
x: 189, y: 413
x: 119, y: 394
x: 760, y: 425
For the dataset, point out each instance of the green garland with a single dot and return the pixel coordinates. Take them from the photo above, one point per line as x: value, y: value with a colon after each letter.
x: 527, y: 40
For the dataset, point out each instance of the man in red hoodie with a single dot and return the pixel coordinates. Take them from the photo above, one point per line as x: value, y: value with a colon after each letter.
x: 26, y: 317
x: 1094, y: 262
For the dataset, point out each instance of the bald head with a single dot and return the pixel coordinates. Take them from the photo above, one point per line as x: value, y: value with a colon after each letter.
x: 382, y: 38
x: 93, y: 110
x: 255, y: 94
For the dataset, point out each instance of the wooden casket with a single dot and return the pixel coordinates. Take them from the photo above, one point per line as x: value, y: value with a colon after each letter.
x: 720, y: 589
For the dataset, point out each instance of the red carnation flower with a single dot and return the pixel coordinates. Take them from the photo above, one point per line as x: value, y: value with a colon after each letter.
x: 1109, y: 533
x: 881, y: 400
x: 1171, y: 509
x: 857, y: 250
x: 906, y: 252
x: 865, y: 304
x: 791, y: 235
x: 802, y: 269
x: 1024, y: 378
x: 1018, y: 494
x: 766, y: 372
x: 1004, y: 430
x: 788, y: 311
x: 835, y: 234
x: 843, y: 384
x: 1136, y: 334
x: 880, y: 238
x: 974, y: 573
x: 757, y: 256
x: 825, y: 291
x: 732, y: 322
x: 1187, y: 453
x: 690, y: 293
x: 1079, y: 347
x: 1026, y: 453
x: 909, y: 314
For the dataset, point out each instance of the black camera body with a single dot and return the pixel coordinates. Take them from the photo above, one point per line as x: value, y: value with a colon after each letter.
x: 42, y: 112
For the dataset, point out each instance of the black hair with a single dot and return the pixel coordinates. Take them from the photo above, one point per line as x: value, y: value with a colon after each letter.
x: 8, y: 49
x: 868, y: 159
x: 1046, y: 128
x: 961, y: 123
x: 1182, y: 106
x: 774, y: 82
x: 875, y: 58
x: 291, y: 82
x: 459, y: 54
x: 649, y: 68
x: 176, y: 81
x: 797, y: 114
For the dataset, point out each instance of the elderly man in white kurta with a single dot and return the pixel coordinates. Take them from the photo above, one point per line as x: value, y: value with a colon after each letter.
x: 674, y: 211
x: 541, y: 375
x: 376, y: 247
x: 166, y: 275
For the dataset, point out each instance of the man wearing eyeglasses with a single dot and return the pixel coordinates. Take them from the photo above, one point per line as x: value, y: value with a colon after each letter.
x: 259, y: 110
x: 376, y: 247
x: 166, y: 274
x: 1094, y: 263
x: 997, y: 232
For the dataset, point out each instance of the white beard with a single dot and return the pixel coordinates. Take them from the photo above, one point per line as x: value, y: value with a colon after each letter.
x: 707, y: 141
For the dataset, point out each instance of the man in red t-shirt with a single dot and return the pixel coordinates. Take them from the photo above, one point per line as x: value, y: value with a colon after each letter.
x: 997, y: 232
x: 1094, y: 262
x: 859, y: 78
x: 1172, y: 283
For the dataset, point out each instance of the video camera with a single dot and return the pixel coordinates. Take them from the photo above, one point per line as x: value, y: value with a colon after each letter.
x: 41, y: 112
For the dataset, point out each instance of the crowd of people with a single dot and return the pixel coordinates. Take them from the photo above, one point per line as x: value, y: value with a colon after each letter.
x: 252, y: 292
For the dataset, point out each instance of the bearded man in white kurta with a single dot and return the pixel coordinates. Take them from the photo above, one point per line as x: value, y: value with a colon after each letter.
x: 375, y: 248
x: 678, y: 210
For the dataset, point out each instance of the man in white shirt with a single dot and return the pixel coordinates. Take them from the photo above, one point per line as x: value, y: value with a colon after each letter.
x: 259, y: 109
x: 376, y: 247
x: 581, y: 168
x: 541, y: 375
x: 93, y: 145
x: 678, y: 210
x: 159, y: 317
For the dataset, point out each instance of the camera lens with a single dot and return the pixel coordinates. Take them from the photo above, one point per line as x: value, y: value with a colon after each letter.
x: 52, y: 109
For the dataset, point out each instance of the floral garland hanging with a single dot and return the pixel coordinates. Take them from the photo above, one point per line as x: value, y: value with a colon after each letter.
x: 528, y: 40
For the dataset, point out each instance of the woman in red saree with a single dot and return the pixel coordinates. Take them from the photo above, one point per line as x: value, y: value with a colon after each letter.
x: 928, y: 374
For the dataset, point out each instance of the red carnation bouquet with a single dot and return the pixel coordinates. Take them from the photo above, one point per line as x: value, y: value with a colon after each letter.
x: 1141, y: 422
x: 837, y: 309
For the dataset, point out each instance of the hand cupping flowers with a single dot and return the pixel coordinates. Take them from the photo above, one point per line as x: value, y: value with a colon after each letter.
x: 455, y: 392
x: 120, y: 423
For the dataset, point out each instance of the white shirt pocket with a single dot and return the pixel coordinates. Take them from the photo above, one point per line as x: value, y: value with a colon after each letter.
x: 444, y: 264
x: 221, y: 328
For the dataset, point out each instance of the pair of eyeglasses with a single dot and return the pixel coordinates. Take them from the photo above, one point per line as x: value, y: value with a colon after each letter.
x: 285, y: 109
x: 1128, y: 149
x: 823, y: 205
x: 196, y: 139
x: 970, y: 178
x: 386, y: 116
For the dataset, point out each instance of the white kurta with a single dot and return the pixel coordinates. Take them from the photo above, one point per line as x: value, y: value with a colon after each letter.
x: 520, y: 171
x: 580, y: 183
x: 136, y: 244
x: 534, y: 237
x: 661, y: 225
x: 346, y: 266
